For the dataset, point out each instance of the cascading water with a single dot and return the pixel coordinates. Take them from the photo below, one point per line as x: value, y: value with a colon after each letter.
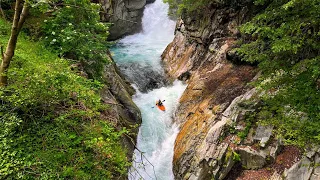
x: 136, y: 55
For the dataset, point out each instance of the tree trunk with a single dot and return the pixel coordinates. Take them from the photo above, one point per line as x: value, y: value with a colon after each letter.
x: 2, y: 13
x: 18, y: 20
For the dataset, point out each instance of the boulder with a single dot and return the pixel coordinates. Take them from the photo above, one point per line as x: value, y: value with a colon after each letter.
x: 145, y: 77
x: 252, y: 159
x: 302, y: 170
x: 125, y: 16
x: 316, y: 172
x: 275, y: 148
x: 263, y: 134
x: 123, y: 111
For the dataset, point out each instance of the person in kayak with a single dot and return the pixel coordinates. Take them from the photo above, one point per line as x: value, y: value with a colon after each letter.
x: 159, y: 103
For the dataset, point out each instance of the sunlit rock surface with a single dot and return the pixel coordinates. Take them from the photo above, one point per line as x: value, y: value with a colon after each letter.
x: 198, y: 55
x: 202, y: 54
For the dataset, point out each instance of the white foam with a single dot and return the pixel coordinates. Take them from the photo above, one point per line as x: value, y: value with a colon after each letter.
x: 157, y: 133
x: 147, y: 46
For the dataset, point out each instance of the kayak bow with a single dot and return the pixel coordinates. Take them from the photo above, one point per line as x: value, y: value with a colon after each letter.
x: 161, y: 107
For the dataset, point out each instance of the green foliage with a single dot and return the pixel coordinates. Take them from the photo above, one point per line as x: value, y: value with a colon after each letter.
x: 236, y: 157
x: 51, y: 125
x: 75, y: 32
x: 285, y: 40
x: 187, y: 5
x: 231, y: 154
x: 249, y: 122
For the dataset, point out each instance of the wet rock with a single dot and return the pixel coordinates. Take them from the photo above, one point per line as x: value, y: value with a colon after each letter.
x: 122, y: 91
x: 252, y: 159
x: 123, y: 111
x: 263, y: 134
x: 150, y: 1
x: 125, y: 15
x: 144, y: 77
x: 300, y: 171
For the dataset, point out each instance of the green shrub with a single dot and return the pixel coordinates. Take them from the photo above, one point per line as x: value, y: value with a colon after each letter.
x: 75, y: 32
x: 285, y: 40
x: 51, y: 125
x: 187, y: 5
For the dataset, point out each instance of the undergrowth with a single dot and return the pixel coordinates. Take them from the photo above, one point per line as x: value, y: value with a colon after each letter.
x: 284, y: 40
x: 51, y: 121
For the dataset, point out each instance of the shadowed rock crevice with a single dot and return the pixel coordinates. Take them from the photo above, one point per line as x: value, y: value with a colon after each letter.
x: 145, y: 77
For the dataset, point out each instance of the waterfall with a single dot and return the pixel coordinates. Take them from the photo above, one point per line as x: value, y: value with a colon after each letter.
x: 138, y: 57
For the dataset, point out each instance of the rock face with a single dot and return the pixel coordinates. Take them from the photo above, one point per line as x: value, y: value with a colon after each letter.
x: 150, y: 1
x: 252, y: 159
x: 216, y: 102
x: 125, y: 16
x: 123, y: 111
x: 300, y: 171
x: 263, y: 134
x: 306, y: 169
x: 143, y: 76
x: 215, y: 87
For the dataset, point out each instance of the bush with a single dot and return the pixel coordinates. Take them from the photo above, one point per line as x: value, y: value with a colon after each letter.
x: 75, y: 32
x: 187, y: 5
x: 51, y: 125
x: 285, y: 40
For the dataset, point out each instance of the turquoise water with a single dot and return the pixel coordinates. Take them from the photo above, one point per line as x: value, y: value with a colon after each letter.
x: 157, y: 132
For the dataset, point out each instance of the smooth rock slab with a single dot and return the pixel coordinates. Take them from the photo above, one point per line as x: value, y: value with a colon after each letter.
x: 252, y: 159
x: 263, y: 134
x: 300, y: 171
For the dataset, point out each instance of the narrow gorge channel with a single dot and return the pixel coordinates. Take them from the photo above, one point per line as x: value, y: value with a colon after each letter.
x: 138, y: 57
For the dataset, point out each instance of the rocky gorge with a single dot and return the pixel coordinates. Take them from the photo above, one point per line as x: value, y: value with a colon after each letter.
x: 125, y: 15
x: 218, y: 139
x: 218, y: 99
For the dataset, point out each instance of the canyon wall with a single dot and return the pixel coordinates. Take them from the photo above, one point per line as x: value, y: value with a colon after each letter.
x: 219, y: 100
x: 123, y: 112
x: 125, y: 16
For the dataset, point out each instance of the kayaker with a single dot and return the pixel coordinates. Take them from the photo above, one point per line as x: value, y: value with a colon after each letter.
x: 159, y: 103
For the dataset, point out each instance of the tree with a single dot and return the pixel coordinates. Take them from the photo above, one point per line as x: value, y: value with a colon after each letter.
x: 284, y: 39
x: 20, y: 14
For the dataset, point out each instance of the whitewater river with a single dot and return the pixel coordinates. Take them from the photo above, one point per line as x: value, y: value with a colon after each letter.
x: 135, y: 55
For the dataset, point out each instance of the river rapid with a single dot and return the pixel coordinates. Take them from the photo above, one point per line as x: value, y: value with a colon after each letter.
x: 138, y: 57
